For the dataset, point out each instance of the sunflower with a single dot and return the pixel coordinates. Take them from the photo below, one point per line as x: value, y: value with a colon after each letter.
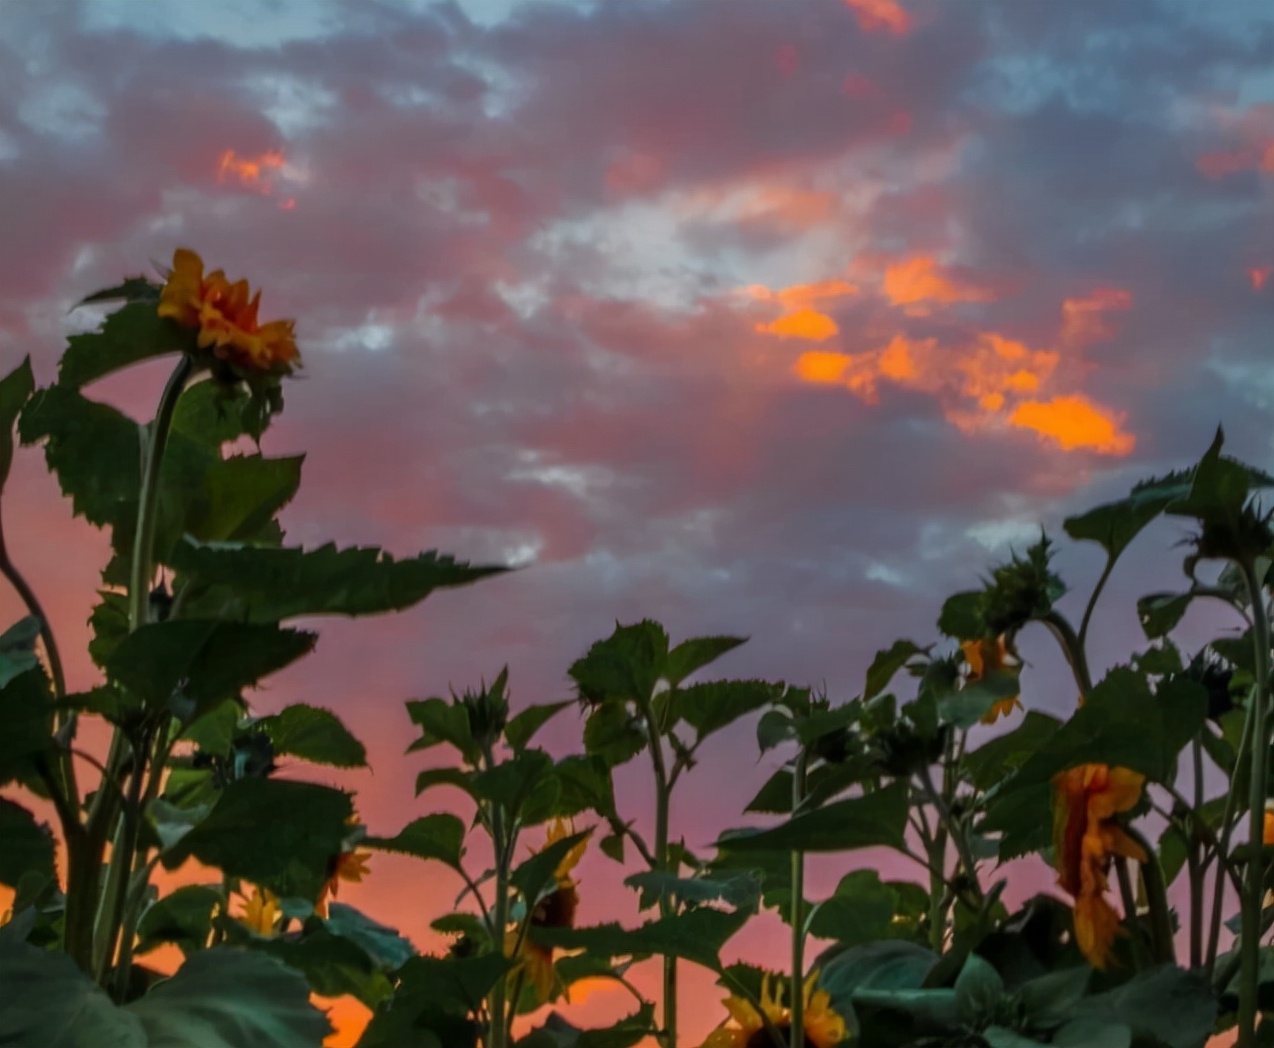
x: 225, y: 315
x: 1086, y: 836
x: 986, y: 656
x: 261, y: 913
x: 554, y: 910
x: 747, y: 1025
x: 349, y: 866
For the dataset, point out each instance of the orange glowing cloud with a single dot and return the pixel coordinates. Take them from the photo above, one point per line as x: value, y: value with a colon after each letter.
x: 987, y: 371
x: 1074, y: 423
x: 248, y: 171
x: 1259, y: 276
x: 1082, y: 318
x: 808, y: 324
x: 881, y: 16
x: 988, y: 381
x: 916, y: 282
x: 800, y: 319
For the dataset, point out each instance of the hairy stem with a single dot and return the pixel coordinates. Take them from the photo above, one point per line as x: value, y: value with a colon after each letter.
x: 1194, y: 860
x: 111, y: 914
x: 797, y: 1031
x: 1129, y: 898
x: 104, y: 811
x: 663, y: 793
x: 1223, y: 844
x: 954, y: 829
x: 498, y: 1031
x: 1092, y: 601
x: 142, y: 864
x: 1163, y: 947
x: 1072, y: 648
x: 1254, y: 888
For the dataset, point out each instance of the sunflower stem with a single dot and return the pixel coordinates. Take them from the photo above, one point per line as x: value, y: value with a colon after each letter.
x: 1163, y: 948
x: 796, y: 1034
x: 1072, y: 648
x: 500, y: 1021
x: 954, y: 829
x: 91, y: 918
x: 663, y: 792
x: 1194, y: 847
x: 1254, y: 887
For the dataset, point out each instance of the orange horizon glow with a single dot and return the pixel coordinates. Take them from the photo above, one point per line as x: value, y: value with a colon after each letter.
x: 881, y: 15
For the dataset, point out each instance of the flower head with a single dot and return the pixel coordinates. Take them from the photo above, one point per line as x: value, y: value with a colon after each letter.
x: 225, y: 315
x: 1086, y: 836
x: 554, y: 910
x: 349, y: 866
x: 986, y: 656
x: 746, y: 1027
x: 261, y: 913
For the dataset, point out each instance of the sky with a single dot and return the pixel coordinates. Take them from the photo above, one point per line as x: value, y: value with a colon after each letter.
x: 778, y: 318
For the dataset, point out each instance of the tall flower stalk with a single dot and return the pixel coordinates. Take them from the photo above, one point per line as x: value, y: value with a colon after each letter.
x: 1254, y: 884
x: 229, y: 338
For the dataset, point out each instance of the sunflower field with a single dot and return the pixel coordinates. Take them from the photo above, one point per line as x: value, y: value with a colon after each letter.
x: 1151, y: 801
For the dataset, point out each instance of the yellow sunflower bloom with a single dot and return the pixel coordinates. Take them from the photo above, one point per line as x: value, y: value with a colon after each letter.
x: 985, y: 656
x: 746, y: 1027
x: 349, y: 866
x: 555, y: 910
x: 261, y: 914
x: 225, y: 315
x: 1086, y: 836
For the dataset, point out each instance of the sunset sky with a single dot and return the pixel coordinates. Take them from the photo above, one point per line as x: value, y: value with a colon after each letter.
x: 781, y: 318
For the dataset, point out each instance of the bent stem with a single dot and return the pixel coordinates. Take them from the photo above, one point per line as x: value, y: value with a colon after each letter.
x: 797, y: 1030
x: 1254, y: 888
x: 83, y: 900
x: 63, y: 788
x: 1072, y: 648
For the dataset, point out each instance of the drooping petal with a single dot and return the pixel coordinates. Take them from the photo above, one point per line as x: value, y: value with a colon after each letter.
x: 1070, y: 821
x: 1001, y: 709
x: 1096, y: 925
x: 824, y: 1026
